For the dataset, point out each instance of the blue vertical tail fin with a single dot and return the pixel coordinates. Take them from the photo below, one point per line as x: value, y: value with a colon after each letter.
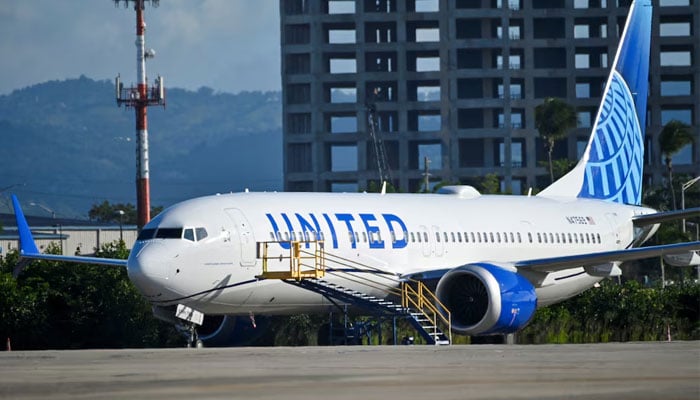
x: 611, y: 166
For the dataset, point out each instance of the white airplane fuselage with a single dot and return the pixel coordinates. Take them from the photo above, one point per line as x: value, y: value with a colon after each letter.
x: 398, y: 233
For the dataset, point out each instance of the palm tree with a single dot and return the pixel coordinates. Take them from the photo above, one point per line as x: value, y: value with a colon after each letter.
x: 553, y: 119
x: 673, y: 137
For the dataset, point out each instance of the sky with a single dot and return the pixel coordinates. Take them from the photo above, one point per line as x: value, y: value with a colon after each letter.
x: 227, y: 45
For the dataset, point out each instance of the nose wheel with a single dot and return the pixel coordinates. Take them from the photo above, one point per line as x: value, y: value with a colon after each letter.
x: 193, y: 339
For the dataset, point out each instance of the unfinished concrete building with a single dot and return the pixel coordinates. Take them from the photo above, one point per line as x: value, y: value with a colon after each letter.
x: 457, y: 81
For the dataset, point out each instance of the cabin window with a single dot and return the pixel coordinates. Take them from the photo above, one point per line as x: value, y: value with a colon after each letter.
x: 420, y: 239
x: 570, y: 239
x: 364, y: 237
x: 453, y: 237
x: 529, y: 236
x: 437, y: 236
x: 598, y: 235
x: 539, y: 238
x: 413, y: 237
x: 425, y: 236
x: 519, y: 238
x: 472, y: 236
x: 491, y: 235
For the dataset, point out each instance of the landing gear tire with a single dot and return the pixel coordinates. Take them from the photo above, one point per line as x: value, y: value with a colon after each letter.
x: 193, y: 340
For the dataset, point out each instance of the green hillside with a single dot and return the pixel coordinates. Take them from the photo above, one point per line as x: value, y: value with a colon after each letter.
x: 71, y: 146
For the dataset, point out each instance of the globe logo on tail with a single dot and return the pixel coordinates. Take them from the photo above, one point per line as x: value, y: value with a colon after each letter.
x: 614, y: 168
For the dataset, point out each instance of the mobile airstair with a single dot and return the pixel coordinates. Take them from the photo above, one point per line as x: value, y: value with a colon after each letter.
x: 308, y: 264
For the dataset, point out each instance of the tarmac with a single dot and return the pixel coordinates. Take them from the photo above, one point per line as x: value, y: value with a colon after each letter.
x: 589, y: 371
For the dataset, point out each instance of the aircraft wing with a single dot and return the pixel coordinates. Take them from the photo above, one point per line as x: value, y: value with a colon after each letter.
x: 29, y: 251
x: 553, y: 264
x: 591, y: 259
x: 651, y: 219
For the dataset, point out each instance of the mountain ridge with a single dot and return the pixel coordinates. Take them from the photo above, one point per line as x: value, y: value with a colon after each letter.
x: 67, y: 146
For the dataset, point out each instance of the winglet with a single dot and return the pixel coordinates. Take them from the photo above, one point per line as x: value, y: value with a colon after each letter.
x: 26, y: 240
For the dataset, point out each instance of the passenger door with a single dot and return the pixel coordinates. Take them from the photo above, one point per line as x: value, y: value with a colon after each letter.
x: 245, y: 236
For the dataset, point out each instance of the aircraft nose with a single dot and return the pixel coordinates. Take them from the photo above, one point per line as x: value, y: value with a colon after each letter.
x: 147, y: 268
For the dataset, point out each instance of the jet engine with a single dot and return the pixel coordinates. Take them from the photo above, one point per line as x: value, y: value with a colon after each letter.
x: 487, y: 299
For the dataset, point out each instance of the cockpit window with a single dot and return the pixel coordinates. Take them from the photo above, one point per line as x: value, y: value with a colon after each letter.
x: 189, y: 234
x: 146, y: 234
x: 201, y: 233
x: 169, y: 233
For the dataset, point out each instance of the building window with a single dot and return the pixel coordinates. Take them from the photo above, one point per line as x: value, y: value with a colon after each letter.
x: 342, y: 95
x: 341, y: 36
x: 674, y: 29
x: 342, y: 66
x: 343, y: 158
x: 672, y: 87
x: 425, y: 64
x: 427, y: 6
x: 343, y: 124
x: 582, y: 61
x: 684, y: 115
x: 583, y: 90
x: 341, y: 7
x: 427, y: 35
x: 675, y: 58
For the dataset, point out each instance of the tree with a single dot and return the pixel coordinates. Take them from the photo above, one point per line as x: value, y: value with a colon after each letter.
x: 553, y: 119
x: 673, y: 137
x: 490, y: 184
x: 107, y: 212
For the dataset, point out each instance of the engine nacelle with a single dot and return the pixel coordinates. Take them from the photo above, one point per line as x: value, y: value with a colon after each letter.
x: 486, y: 299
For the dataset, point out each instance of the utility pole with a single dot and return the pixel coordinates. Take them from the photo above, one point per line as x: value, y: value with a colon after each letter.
x: 140, y: 97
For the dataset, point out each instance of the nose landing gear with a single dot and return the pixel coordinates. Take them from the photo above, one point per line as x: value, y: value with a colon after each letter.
x: 193, y: 318
x: 193, y: 340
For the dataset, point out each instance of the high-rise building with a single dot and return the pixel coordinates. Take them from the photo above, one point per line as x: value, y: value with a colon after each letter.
x: 457, y: 82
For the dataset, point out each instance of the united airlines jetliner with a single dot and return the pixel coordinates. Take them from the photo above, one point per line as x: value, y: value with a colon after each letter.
x: 495, y: 259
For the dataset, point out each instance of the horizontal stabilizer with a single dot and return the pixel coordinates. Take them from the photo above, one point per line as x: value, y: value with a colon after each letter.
x: 657, y: 218
x: 29, y: 251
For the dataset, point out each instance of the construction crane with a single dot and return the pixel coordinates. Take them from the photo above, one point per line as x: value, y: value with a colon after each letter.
x: 373, y: 127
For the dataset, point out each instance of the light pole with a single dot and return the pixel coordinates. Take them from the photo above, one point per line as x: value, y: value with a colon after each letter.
x: 121, y: 232
x: 684, y: 187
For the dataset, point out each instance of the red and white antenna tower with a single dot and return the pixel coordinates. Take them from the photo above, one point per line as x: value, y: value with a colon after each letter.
x: 140, y: 97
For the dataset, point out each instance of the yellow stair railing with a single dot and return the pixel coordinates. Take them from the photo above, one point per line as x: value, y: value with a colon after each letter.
x: 306, y: 264
x: 424, y: 300
x: 302, y: 264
